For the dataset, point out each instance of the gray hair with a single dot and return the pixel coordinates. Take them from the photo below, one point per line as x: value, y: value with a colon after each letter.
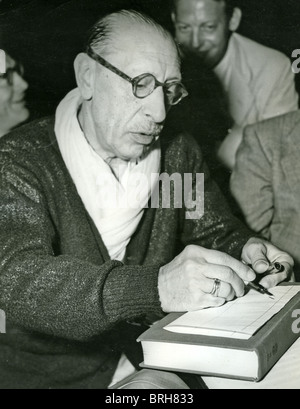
x: 101, y: 35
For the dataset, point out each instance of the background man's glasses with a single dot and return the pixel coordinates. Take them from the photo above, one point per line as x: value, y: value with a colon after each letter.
x: 145, y: 84
x: 9, y: 75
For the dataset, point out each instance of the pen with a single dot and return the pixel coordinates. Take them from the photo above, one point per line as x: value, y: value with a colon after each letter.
x: 259, y: 288
x: 274, y: 268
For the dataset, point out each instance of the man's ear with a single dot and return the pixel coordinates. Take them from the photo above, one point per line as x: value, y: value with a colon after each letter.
x: 236, y: 19
x: 173, y: 16
x: 84, y: 75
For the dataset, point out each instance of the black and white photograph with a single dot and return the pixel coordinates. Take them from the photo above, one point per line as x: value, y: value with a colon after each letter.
x: 149, y: 197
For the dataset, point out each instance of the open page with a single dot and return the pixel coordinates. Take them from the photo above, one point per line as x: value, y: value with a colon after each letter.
x: 238, y: 319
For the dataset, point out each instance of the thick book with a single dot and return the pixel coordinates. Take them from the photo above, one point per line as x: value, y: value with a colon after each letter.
x: 227, y: 356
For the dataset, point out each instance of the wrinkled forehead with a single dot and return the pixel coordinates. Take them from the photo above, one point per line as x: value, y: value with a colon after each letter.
x: 145, y: 46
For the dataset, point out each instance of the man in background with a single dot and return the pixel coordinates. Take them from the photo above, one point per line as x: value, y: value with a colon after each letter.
x: 257, y: 80
x: 266, y: 180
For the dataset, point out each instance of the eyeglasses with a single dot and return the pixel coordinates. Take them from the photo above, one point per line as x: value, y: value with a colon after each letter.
x: 145, y: 84
x: 9, y: 74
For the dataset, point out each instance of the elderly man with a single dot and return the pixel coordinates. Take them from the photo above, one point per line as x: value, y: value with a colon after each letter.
x: 257, y: 80
x: 13, y: 110
x: 76, y: 272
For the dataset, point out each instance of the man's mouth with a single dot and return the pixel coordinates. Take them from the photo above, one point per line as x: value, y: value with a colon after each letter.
x: 146, y: 138
x: 19, y: 101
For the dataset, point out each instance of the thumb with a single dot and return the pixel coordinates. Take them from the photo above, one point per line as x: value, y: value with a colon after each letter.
x: 260, y: 264
x: 255, y: 254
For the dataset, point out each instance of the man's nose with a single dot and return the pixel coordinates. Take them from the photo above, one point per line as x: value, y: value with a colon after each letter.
x: 197, y: 39
x: 155, y: 106
x: 19, y: 83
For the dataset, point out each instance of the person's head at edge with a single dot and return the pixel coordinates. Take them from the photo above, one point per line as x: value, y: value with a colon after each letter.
x: 13, y: 110
x: 203, y: 27
x: 117, y: 123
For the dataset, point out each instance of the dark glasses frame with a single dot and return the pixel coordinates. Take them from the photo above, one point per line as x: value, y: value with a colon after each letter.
x: 135, y: 81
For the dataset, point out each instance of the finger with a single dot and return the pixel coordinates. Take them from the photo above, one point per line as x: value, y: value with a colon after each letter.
x: 227, y: 275
x: 288, y: 268
x: 272, y: 280
x: 206, y: 301
x: 224, y: 290
x: 256, y: 255
x: 261, y: 253
x: 222, y: 259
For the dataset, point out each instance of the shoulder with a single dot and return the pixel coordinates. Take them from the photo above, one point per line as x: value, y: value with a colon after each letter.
x: 273, y: 130
x: 31, y: 151
x: 181, y: 151
x: 29, y: 139
x: 286, y: 122
x: 259, y: 54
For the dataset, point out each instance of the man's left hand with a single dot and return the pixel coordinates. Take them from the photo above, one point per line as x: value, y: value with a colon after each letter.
x: 261, y: 254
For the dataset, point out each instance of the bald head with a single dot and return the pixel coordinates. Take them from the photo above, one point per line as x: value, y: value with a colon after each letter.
x: 123, y: 30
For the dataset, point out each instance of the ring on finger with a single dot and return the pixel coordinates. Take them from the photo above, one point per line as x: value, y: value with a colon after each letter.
x: 216, y: 288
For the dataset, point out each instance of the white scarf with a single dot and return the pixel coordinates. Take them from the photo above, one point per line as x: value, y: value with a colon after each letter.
x: 116, y: 220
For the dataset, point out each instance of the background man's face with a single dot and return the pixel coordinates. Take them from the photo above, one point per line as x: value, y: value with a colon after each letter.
x: 202, y: 29
x: 12, y: 100
x: 126, y: 126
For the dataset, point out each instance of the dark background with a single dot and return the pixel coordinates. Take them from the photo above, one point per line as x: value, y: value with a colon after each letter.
x: 46, y: 35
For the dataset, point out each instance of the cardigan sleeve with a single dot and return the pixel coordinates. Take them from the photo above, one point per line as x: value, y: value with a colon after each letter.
x: 60, y: 296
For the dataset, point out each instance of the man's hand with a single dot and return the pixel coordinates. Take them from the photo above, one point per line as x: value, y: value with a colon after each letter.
x: 228, y: 149
x: 186, y: 283
x: 261, y: 254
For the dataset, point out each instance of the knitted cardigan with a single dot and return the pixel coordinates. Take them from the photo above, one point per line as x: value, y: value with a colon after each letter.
x: 66, y: 301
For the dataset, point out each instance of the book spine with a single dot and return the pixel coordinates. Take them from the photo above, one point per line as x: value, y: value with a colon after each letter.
x: 276, y: 342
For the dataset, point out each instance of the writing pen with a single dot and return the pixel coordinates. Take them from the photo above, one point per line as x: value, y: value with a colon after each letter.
x: 274, y: 268
x: 259, y: 288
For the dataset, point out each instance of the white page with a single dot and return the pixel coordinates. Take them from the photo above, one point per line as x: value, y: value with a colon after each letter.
x: 239, y: 319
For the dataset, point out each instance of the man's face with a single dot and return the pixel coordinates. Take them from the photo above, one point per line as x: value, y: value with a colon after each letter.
x: 202, y: 29
x: 125, y: 126
x: 12, y: 100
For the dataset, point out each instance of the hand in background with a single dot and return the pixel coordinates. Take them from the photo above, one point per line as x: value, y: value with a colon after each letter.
x: 260, y: 254
x: 228, y: 149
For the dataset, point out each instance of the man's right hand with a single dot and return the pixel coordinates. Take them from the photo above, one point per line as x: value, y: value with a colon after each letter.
x: 186, y: 283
